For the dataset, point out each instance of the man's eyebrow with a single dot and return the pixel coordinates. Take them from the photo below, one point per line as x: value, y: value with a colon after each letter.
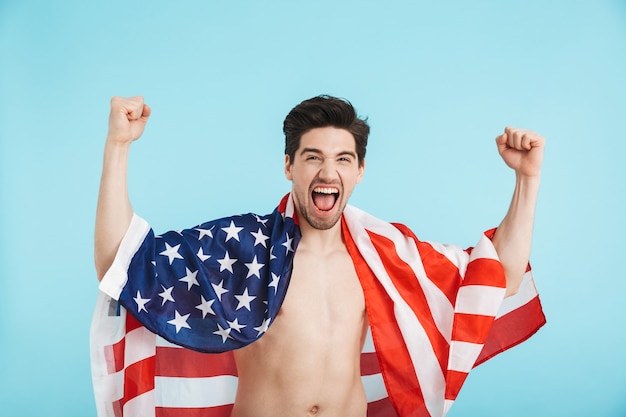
x: 319, y: 152
x: 312, y: 150
x: 349, y: 153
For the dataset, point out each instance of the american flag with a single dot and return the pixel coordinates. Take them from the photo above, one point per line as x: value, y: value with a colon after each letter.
x: 435, y: 312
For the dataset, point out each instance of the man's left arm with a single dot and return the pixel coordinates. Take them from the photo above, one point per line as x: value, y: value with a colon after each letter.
x: 522, y: 151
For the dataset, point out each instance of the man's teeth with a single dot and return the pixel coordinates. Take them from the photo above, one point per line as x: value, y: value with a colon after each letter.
x: 323, y: 190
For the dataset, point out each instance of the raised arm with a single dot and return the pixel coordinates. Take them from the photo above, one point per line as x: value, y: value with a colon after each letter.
x: 126, y: 124
x: 522, y: 150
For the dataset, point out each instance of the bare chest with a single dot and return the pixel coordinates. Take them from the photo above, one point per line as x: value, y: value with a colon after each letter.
x: 310, y: 355
x: 324, y: 289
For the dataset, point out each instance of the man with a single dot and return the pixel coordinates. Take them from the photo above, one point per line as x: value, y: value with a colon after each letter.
x: 314, y: 369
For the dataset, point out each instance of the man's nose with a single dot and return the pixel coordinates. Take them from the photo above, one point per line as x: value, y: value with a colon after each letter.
x: 328, y: 171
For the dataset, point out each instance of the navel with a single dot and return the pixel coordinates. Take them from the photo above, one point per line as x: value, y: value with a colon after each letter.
x: 313, y: 410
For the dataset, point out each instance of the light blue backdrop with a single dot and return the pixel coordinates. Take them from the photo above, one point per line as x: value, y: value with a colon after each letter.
x: 438, y: 81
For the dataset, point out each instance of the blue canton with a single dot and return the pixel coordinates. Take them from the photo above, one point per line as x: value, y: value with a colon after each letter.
x: 215, y: 287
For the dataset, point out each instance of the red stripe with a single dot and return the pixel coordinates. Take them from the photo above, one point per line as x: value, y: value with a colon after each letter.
x: 132, y: 323
x: 512, y: 329
x: 179, y: 362
x: 472, y: 328
x: 454, y: 382
x: 407, y: 284
x: 381, y: 408
x: 282, y: 206
x: 438, y: 268
x: 395, y: 363
x: 219, y: 411
x: 369, y: 364
x: 114, y: 355
x: 117, y: 409
x: 138, y: 379
x: 485, y: 271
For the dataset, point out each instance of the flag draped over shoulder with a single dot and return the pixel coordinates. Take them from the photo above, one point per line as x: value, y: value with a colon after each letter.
x: 435, y: 312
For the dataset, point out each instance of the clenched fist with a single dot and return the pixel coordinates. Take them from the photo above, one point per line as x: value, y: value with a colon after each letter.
x: 127, y: 120
x: 522, y: 150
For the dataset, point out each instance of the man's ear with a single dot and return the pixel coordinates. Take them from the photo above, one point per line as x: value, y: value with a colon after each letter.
x: 361, y: 172
x: 288, y: 166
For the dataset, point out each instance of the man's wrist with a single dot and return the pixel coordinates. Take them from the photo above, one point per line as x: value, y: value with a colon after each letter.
x: 531, y: 181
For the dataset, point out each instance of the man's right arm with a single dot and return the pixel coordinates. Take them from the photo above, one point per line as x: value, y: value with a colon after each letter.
x: 114, y: 213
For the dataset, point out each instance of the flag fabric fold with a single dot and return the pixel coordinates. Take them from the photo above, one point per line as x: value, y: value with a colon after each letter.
x: 435, y: 311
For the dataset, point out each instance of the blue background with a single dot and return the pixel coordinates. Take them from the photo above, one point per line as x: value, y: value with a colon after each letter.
x: 438, y: 81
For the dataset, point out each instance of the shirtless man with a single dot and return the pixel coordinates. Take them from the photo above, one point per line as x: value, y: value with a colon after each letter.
x: 323, y: 375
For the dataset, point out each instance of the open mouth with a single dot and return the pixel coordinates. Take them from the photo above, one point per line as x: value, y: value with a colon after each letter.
x: 324, y: 198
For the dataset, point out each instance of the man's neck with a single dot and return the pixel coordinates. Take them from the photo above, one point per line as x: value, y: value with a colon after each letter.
x: 322, y: 240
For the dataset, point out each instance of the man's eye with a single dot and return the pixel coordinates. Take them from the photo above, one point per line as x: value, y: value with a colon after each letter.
x: 312, y: 158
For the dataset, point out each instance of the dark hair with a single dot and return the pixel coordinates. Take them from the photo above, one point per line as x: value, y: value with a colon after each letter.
x: 324, y: 111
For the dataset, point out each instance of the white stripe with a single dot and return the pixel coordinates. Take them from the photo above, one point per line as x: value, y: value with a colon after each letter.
x: 463, y: 356
x: 142, y: 405
x: 525, y: 294
x: 479, y: 299
x: 374, y: 386
x: 460, y: 258
x: 160, y: 342
x: 107, y: 389
x: 484, y: 249
x: 195, y: 392
x: 289, y: 208
x: 439, y: 305
x: 116, y: 277
x: 105, y: 331
x: 420, y: 350
x: 454, y: 253
x: 406, y: 249
x: 140, y: 344
x: 447, y: 406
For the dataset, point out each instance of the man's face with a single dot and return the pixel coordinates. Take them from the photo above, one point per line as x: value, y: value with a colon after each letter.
x: 324, y: 171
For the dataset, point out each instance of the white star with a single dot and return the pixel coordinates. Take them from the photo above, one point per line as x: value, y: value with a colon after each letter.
x: 254, y: 268
x: 274, y: 283
x: 244, y: 300
x: 235, y: 325
x: 263, y: 327
x: 201, y: 255
x: 219, y: 290
x: 166, y: 294
x: 141, y: 302
x: 232, y: 231
x: 179, y: 321
x: 259, y: 238
x: 288, y: 244
x: 171, y: 252
x: 205, y: 307
x: 205, y: 232
x: 272, y: 256
x: 260, y: 220
x: 225, y: 333
x: 227, y: 263
x: 190, y: 278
